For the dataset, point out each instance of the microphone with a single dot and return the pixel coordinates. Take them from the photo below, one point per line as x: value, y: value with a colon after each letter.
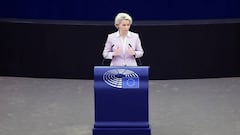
x: 130, y: 45
x: 112, y: 47
x: 138, y: 59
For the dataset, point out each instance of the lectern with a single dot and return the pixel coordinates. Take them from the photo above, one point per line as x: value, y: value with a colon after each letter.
x: 121, y: 100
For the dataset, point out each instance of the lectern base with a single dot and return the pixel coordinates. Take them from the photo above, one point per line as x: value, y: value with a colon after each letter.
x: 121, y: 131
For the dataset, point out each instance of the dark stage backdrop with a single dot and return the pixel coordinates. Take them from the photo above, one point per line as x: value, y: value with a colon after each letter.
x: 174, y: 51
x: 65, y: 38
x: 102, y: 10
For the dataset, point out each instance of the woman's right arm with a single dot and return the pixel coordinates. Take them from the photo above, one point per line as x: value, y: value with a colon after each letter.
x: 107, y: 51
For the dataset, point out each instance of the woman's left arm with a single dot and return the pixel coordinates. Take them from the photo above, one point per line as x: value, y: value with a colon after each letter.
x: 138, y: 49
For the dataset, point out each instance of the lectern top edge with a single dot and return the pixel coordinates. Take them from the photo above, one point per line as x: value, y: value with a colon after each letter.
x: 122, y: 66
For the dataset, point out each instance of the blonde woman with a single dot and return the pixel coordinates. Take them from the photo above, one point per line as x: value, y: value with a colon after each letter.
x: 123, y: 46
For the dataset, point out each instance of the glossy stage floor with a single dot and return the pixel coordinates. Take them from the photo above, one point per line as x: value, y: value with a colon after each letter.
x: 43, y: 106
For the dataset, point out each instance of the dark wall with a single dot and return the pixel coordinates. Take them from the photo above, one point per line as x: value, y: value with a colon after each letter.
x: 72, y: 50
x: 106, y: 9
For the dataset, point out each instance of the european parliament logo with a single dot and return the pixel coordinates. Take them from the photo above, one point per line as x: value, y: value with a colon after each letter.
x: 121, y: 78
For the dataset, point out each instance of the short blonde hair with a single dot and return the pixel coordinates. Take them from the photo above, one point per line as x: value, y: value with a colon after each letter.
x: 122, y: 16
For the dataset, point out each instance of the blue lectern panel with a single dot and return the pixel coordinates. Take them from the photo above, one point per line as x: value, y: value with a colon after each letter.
x: 121, y: 93
x: 117, y: 77
x: 121, y: 100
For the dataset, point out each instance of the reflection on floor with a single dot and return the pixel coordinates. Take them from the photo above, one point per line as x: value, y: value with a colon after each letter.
x: 43, y: 106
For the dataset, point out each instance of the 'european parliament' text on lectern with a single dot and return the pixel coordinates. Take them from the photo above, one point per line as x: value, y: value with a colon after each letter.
x: 121, y: 100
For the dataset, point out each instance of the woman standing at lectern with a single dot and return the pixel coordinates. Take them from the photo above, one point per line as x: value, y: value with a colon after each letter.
x: 123, y: 46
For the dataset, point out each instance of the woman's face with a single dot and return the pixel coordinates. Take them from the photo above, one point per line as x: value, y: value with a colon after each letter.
x: 124, y: 26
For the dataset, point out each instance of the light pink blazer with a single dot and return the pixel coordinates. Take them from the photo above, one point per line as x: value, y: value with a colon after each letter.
x: 114, y: 41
